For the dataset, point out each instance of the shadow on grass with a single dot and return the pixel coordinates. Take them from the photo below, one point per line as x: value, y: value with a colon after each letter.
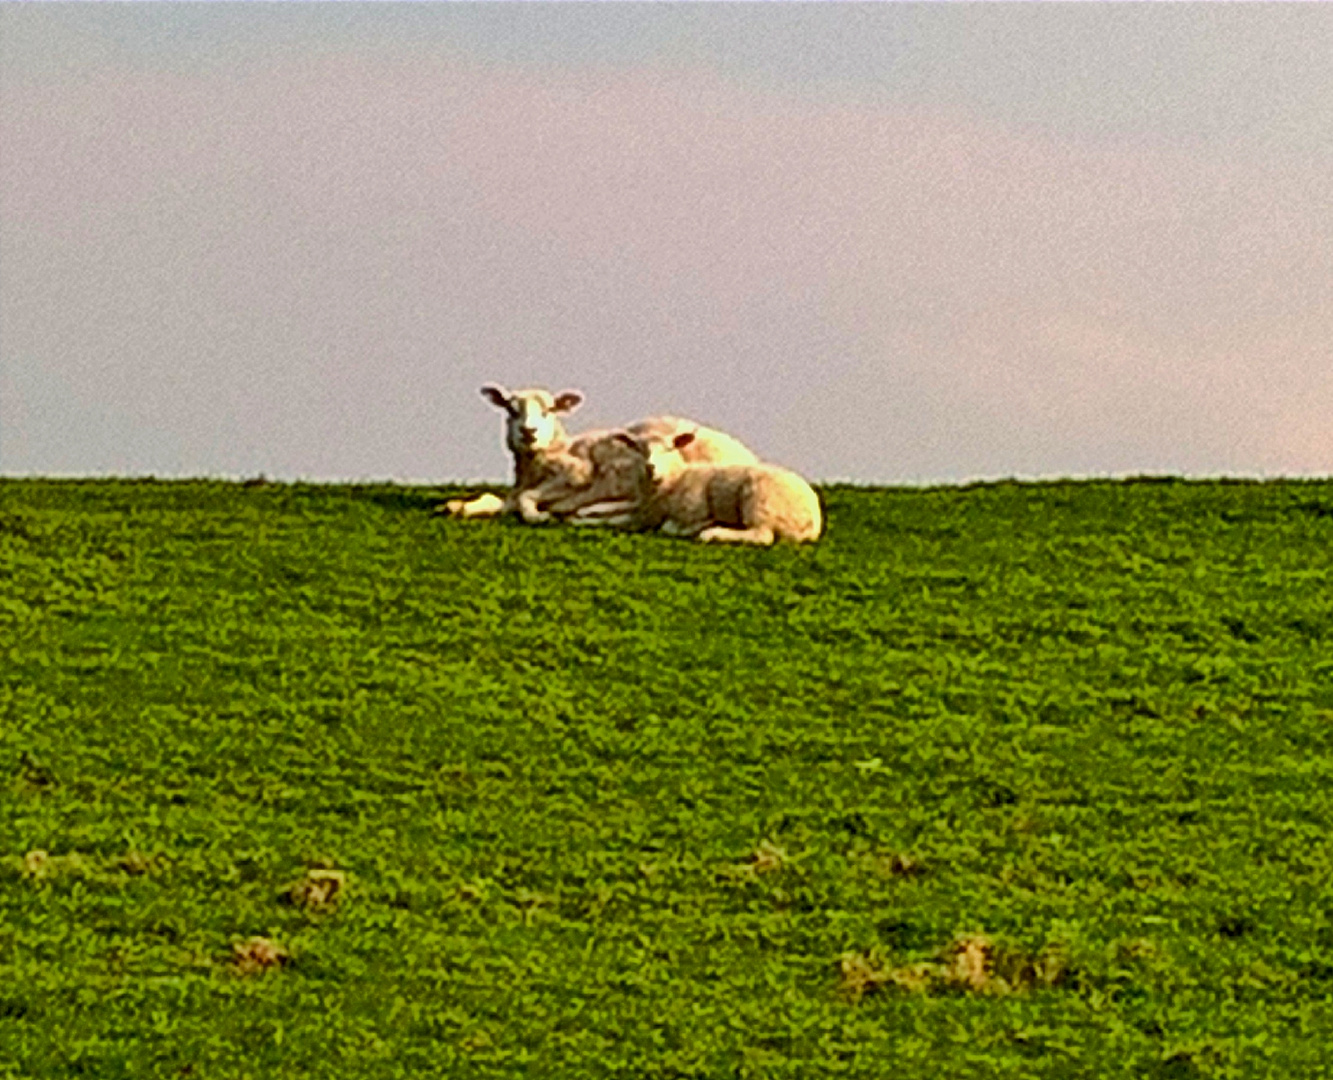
x: 411, y: 499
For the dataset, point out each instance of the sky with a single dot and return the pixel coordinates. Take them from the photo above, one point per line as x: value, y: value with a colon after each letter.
x: 886, y: 243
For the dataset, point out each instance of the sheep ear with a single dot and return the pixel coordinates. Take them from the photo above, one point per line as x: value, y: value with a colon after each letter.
x: 497, y: 396
x: 626, y: 438
x: 567, y: 401
x: 683, y: 440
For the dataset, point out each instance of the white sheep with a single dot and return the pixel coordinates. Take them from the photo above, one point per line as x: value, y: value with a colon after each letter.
x: 736, y: 504
x: 588, y: 475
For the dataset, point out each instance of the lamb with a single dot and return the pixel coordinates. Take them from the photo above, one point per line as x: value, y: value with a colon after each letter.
x: 735, y: 504
x: 588, y: 476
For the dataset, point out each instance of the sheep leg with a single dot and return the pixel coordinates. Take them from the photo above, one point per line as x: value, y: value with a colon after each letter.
x: 542, y: 503
x: 718, y: 534
x: 579, y: 502
x: 482, y: 506
x: 567, y: 485
x: 604, y: 494
x: 619, y: 513
x: 689, y: 530
x: 528, y: 503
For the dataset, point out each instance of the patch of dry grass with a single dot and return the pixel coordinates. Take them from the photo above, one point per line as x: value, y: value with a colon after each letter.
x: 320, y: 889
x: 258, y: 955
x: 969, y: 964
x: 767, y: 858
x: 40, y: 865
x: 134, y: 863
x: 898, y: 864
x: 37, y: 865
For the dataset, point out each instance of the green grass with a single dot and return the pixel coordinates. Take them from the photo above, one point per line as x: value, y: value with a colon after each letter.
x: 1090, y: 721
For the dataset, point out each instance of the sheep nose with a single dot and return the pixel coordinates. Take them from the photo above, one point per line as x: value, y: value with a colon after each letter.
x: 527, y: 436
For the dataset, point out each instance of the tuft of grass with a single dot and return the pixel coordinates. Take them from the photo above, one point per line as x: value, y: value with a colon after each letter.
x: 767, y: 858
x: 257, y: 956
x: 971, y: 963
x: 37, y: 864
x: 319, y: 890
x: 899, y: 864
x: 135, y: 863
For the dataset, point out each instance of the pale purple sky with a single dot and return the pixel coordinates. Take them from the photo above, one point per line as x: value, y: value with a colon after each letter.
x: 889, y: 243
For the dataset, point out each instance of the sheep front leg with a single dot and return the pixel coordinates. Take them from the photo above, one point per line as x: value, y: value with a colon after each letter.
x: 718, y: 534
x: 573, y: 487
x: 535, y: 504
x: 599, y: 500
x: 529, y: 507
x: 483, y: 506
x: 687, y: 529
x: 617, y: 513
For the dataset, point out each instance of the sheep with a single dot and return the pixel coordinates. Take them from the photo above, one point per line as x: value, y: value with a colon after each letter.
x: 589, y: 475
x: 735, y: 504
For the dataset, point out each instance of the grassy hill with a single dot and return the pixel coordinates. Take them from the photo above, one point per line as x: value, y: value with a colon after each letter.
x: 996, y: 781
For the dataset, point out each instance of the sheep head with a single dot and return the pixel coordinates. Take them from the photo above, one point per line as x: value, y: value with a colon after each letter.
x: 532, y: 420
x: 658, y: 459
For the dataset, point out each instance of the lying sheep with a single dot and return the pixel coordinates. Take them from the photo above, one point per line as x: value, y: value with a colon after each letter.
x: 587, y: 476
x: 735, y: 504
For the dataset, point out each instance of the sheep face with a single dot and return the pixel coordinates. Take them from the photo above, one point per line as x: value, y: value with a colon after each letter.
x: 660, y: 459
x: 532, y: 421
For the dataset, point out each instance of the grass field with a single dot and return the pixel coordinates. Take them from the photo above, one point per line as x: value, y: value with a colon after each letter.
x: 996, y: 781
